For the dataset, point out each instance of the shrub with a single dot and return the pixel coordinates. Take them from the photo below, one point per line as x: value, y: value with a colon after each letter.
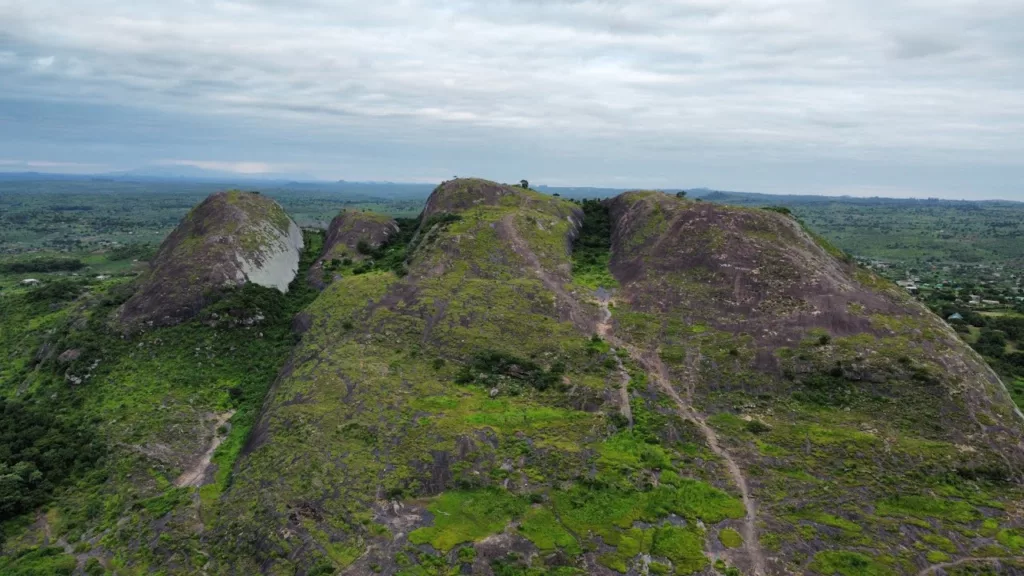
x: 490, y: 369
x: 757, y: 427
x: 56, y: 291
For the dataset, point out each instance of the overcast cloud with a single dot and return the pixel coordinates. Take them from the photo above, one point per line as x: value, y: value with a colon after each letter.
x: 889, y: 97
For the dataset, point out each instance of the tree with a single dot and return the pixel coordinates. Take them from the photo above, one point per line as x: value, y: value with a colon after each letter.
x: 524, y: 184
x: 681, y: 194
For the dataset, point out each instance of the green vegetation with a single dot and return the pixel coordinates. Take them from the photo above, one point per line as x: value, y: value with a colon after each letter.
x: 41, y: 264
x: 91, y: 396
x: 440, y: 393
x: 50, y: 561
x: 684, y: 547
x: 837, y: 562
x: 998, y: 336
x: 40, y: 448
x: 730, y: 538
x: 926, y: 506
x: 592, y: 249
x: 597, y: 510
x: 541, y: 527
x: 391, y: 255
x: 467, y: 517
x: 508, y: 373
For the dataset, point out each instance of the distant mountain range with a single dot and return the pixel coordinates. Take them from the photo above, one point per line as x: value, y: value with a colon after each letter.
x: 193, y: 174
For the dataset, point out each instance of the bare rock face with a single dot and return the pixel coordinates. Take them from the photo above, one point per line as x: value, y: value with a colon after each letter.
x: 347, y: 229
x: 464, y: 193
x: 230, y: 239
x: 789, y: 304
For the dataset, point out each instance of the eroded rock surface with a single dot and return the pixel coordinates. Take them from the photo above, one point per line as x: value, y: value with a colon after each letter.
x: 230, y: 239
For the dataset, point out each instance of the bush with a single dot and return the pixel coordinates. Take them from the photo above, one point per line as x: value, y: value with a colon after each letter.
x: 248, y: 302
x: 56, y: 291
x: 491, y: 369
x: 757, y: 427
x: 591, y: 251
x: 991, y: 343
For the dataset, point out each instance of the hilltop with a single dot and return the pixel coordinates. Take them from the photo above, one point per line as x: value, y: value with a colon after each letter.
x: 230, y: 239
x: 351, y: 236
x: 516, y: 384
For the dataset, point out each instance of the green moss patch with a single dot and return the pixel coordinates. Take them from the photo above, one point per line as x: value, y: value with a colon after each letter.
x: 684, y: 547
x: 1012, y: 539
x: 540, y: 526
x: 730, y: 538
x: 927, y: 507
x: 843, y: 563
x: 468, y: 517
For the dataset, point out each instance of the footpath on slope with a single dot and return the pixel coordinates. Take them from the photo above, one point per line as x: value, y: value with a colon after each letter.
x: 197, y: 472
x: 657, y: 370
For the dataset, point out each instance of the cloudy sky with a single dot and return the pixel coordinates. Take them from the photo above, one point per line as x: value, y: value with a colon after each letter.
x: 865, y: 97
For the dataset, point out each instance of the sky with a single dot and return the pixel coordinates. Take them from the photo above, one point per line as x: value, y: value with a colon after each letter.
x: 858, y: 97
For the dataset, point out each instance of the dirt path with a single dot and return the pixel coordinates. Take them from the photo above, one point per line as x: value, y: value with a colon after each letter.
x: 656, y: 369
x: 580, y: 318
x: 195, y: 473
x: 962, y: 561
x: 652, y: 363
x: 751, y: 544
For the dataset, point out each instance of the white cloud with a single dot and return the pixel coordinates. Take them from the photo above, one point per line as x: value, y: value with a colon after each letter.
x: 48, y: 166
x: 908, y: 80
x: 234, y: 167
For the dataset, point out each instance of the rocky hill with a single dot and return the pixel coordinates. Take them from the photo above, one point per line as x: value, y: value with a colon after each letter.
x: 644, y: 385
x: 342, y: 244
x: 230, y: 239
x: 849, y: 415
x: 488, y: 412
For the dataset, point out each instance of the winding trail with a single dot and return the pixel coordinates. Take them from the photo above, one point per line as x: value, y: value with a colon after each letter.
x: 195, y: 473
x: 983, y: 560
x: 656, y: 369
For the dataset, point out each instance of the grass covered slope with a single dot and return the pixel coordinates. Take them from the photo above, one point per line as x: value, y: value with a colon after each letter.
x: 871, y: 439
x: 229, y: 239
x: 464, y: 416
x: 511, y: 384
x: 136, y: 436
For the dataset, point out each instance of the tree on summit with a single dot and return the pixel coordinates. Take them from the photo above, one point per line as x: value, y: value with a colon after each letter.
x: 524, y: 184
